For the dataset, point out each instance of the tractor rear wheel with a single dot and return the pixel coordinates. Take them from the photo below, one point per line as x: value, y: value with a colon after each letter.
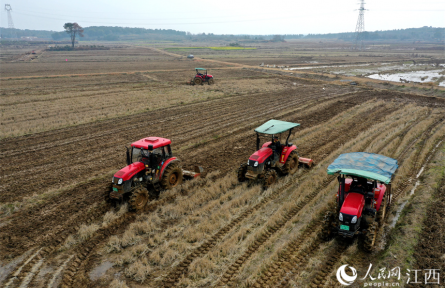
x: 138, y: 198
x: 382, y: 211
x: 291, y: 165
x: 326, y: 229
x: 269, y: 178
x: 211, y: 81
x: 197, y: 81
x: 172, y: 177
x: 241, y: 172
x: 370, y: 236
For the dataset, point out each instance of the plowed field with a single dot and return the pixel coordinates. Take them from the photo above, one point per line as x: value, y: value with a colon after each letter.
x: 57, y: 229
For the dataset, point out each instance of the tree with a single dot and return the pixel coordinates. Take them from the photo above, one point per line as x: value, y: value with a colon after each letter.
x: 72, y: 29
x: 278, y: 38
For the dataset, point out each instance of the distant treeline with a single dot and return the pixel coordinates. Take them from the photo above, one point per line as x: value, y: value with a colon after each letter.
x: 411, y: 34
x: 19, y: 33
x: 107, y: 33
x: 124, y: 33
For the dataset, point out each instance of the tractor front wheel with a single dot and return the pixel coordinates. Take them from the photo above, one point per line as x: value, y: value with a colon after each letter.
x: 138, y: 198
x: 172, y: 177
x: 370, y: 236
x: 269, y: 178
x: 291, y: 165
x: 198, y: 81
x: 211, y: 81
x: 241, y: 172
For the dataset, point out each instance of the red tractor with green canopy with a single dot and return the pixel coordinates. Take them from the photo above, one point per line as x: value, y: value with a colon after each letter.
x: 363, y: 196
x: 273, y: 158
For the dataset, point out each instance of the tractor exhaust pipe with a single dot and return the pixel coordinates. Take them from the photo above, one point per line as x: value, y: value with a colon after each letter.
x: 128, y: 156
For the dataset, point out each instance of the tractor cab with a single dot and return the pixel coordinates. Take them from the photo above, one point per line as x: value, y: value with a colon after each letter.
x: 151, y: 151
x: 273, y: 157
x: 363, y: 196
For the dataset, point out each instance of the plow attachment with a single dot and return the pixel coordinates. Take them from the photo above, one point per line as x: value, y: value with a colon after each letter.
x: 305, y: 161
x: 198, y: 172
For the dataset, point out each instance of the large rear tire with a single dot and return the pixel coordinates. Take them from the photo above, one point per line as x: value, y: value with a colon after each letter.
x: 138, y: 198
x: 172, y: 177
x: 269, y: 178
x: 381, y: 214
x: 291, y: 165
x: 241, y: 172
x: 198, y: 81
x: 370, y: 237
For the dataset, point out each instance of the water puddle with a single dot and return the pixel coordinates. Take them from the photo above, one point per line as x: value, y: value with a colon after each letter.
x: 100, y: 270
x: 414, y: 76
x: 400, y: 209
x: 328, y: 66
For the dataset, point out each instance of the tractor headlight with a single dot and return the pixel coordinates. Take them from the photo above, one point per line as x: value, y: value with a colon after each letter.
x: 255, y: 164
x: 112, y: 180
x: 340, y: 217
x: 119, y: 182
x: 354, y: 220
x: 247, y: 162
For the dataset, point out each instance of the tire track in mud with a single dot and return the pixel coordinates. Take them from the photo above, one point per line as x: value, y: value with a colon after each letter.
x: 51, y: 243
x: 80, y: 266
x: 182, y: 268
x: 83, y: 251
x: 271, y: 230
x: 415, y: 169
x: 292, y: 257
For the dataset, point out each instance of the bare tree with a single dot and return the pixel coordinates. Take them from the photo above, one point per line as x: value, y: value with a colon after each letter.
x: 73, y: 29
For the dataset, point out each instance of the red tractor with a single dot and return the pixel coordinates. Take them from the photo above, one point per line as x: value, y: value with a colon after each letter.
x: 201, y: 77
x: 151, y: 168
x: 363, y: 196
x: 272, y: 159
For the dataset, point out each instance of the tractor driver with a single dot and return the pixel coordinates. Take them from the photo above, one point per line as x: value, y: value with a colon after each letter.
x: 360, y: 185
x: 277, y: 144
x: 276, y: 147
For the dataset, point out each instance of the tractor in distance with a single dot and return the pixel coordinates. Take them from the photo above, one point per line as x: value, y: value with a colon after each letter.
x: 272, y: 159
x: 150, y: 168
x: 201, y: 77
x: 363, y: 196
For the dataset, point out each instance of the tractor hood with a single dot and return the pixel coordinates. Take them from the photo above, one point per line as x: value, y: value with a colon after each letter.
x: 210, y: 76
x: 353, y: 204
x: 261, y: 155
x: 129, y: 171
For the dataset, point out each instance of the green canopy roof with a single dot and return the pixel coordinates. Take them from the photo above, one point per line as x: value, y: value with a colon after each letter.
x: 275, y: 127
x: 200, y: 68
x: 363, y: 164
